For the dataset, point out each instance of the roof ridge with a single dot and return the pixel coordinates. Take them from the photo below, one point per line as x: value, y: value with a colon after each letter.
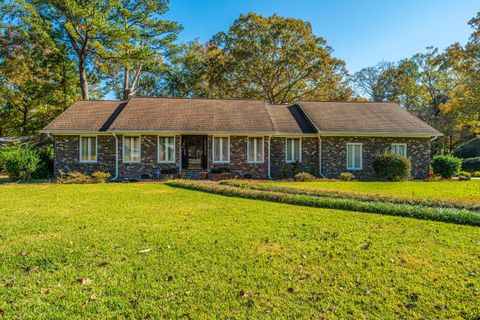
x: 101, y: 100
x: 197, y: 98
x: 339, y: 101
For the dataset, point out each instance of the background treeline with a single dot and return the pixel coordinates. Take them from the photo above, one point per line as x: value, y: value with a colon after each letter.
x: 54, y: 52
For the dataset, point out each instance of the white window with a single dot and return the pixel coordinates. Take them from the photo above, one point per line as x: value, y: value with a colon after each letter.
x: 166, y: 149
x: 88, y: 149
x: 255, y: 150
x: 400, y: 149
x: 131, y: 149
x: 354, y: 156
x: 221, y: 149
x: 293, y: 149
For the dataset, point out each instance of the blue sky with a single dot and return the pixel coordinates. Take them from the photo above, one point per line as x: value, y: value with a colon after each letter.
x: 361, y: 32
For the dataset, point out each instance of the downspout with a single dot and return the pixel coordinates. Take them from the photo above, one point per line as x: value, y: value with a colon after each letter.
x: 269, y: 175
x: 320, y: 157
x: 116, y: 156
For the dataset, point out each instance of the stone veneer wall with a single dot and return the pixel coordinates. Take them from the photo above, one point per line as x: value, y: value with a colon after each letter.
x: 67, y: 156
x: 149, y: 159
x: 334, y: 155
x: 281, y: 169
x: 238, y: 164
x: 66, y: 150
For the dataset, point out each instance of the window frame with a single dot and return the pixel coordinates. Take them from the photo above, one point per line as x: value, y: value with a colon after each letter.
x: 399, y: 144
x: 299, y: 146
x: 255, y: 149
x: 80, y: 149
x: 361, y: 156
x: 174, y: 149
x: 221, y: 149
x: 139, y: 149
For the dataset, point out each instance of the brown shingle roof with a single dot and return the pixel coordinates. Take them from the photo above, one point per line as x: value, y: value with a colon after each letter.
x: 87, y: 116
x: 377, y: 118
x: 241, y: 116
x: 289, y: 119
x: 194, y: 115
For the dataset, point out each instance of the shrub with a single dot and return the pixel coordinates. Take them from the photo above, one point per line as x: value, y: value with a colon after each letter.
x: 392, y: 167
x: 304, y: 176
x: 347, y: 176
x: 45, y: 167
x: 76, y: 178
x: 220, y: 170
x: 81, y: 178
x: 100, y: 177
x: 463, y: 175
x: 169, y: 171
x: 19, y: 162
x: 471, y: 164
x: 476, y: 174
x: 446, y: 166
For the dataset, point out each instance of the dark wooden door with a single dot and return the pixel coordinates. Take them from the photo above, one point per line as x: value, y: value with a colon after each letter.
x: 194, y: 152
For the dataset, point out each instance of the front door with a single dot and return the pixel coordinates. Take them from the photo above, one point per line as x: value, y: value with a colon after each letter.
x: 194, y: 151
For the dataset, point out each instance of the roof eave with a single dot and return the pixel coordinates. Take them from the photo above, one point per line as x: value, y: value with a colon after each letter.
x: 381, y: 134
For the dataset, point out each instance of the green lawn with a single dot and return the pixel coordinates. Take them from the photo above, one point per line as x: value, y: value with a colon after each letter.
x: 149, y: 250
x: 455, y: 191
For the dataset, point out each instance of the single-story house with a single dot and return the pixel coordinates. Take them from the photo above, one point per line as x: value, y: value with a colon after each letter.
x: 251, y: 138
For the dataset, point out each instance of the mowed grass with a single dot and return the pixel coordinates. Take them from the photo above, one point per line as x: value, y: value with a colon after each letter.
x: 452, y: 191
x: 149, y: 250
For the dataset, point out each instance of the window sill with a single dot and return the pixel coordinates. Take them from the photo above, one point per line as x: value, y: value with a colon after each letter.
x: 165, y: 162
x: 87, y: 162
x: 354, y: 169
x: 220, y: 162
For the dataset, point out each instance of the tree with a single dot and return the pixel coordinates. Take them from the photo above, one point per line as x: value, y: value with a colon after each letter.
x: 465, y: 63
x: 186, y: 73
x: 37, y: 75
x: 83, y: 25
x: 142, y: 40
x: 274, y: 58
x: 377, y: 82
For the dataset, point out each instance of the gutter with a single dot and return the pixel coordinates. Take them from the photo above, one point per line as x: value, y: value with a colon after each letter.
x: 116, y: 156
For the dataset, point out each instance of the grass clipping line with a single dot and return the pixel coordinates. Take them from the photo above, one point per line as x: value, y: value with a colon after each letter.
x: 351, y: 195
x: 458, y: 216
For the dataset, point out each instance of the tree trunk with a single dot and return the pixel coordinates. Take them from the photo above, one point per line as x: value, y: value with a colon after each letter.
x: 126, y: 89
x: 130, y: 90
x: 83, y: 80
x: 24, y: 121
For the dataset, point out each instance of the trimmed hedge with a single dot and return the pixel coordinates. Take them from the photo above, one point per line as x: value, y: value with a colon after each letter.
x: 457, y: 216
x: 392, y: 167
x: 351, y: 195
x: 446, y: 166
x: 471, y: 164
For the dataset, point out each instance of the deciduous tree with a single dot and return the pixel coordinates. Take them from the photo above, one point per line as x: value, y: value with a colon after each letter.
x: 274, y: 58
